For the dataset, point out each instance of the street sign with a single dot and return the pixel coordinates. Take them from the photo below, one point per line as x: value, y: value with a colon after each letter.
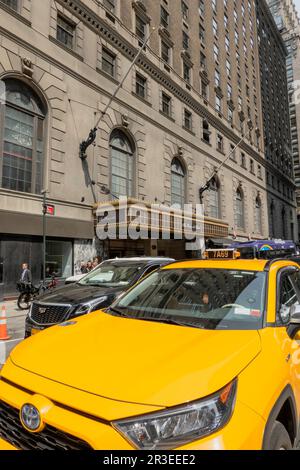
x: 49, y: 209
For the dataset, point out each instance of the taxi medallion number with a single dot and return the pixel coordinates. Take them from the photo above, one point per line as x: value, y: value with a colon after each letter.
x: 220, y: 254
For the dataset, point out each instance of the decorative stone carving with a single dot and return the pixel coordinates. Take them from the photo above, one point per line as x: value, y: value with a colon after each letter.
x: 27, y: 67
x: 125, y: 121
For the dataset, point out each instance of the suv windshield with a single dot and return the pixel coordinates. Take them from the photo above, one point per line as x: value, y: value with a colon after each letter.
x: 111, y: 275
x: 204, y: 298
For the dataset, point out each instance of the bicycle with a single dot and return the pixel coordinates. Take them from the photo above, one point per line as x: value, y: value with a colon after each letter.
x: 29, y: 292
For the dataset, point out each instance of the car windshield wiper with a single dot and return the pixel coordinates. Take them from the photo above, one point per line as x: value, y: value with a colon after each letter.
x: 118, y: 312
x: 170, y: 321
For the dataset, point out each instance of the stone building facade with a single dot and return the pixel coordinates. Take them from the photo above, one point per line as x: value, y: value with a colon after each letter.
x: 193, y: 95
x: 288, y: 24
x: 276, y: 126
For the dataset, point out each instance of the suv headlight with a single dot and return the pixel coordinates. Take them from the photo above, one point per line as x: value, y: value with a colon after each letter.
x: 89, y: 306
x: 178, y: 426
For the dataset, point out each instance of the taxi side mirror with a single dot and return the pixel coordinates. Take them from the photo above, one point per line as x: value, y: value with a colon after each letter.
x: 294, y: 325
x: 295, y: 315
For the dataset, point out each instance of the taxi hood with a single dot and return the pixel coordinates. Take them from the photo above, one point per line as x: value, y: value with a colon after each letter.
x: 138, y: 361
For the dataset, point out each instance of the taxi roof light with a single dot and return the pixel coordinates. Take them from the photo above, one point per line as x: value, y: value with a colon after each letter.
x: 222, y: 254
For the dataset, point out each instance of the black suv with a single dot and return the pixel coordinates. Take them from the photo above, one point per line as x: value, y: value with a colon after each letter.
x: 94, y: 291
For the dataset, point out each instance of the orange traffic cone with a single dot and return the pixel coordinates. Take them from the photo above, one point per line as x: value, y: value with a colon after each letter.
x: 3, y: 325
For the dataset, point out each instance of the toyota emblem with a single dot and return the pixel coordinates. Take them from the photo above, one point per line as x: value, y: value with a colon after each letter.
x: 30, y: 417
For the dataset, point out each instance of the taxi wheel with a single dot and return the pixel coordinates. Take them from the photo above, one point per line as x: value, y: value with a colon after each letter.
x: 280, y: 439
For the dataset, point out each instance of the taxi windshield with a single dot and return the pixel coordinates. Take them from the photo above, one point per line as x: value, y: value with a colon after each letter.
x: 213, y: 299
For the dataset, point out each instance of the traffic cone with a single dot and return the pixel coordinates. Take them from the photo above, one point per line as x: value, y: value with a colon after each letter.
x: 3, y: 325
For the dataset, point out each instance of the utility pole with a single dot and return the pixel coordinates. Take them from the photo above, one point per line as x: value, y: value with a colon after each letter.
x: 93, y: 132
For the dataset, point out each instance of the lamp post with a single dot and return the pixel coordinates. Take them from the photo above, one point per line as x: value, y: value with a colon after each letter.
x: 44, y: 193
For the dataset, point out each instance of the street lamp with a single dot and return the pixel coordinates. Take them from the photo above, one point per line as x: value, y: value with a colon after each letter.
x: 105, y: 190
x: 44, y: 193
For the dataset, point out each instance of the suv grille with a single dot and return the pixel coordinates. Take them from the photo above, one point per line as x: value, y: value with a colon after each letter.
x: 12, y: 431
x: 48, y: 314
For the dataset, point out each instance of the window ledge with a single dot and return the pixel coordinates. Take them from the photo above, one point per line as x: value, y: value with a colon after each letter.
x: 107, y: 75
x: 188, y: 130
x: 141, y: 99
x: 166, y: 115
x: 221, y: 151
x: 15, y: 13
x: 67, y: 49
x: 207, y: 143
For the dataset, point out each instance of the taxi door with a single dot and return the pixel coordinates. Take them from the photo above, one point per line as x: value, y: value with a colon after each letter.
x: 288, y: 297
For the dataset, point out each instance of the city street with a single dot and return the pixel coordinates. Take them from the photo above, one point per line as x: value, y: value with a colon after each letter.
x: 150, y: 218
x: 15, y: 326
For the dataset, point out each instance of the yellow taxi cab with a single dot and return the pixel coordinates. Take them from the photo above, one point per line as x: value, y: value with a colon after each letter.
x: 201, y: 354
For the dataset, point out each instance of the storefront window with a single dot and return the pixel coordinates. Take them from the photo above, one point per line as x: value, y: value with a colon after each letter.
x: 59, y: 258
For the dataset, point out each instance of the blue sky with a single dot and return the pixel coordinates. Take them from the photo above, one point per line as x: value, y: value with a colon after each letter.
x: 297, y: 3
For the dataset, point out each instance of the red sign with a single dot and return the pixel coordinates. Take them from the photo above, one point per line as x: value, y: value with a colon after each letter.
x: 50, y: 210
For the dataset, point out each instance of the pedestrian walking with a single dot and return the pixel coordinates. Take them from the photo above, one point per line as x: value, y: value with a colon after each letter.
x: 26, y: 277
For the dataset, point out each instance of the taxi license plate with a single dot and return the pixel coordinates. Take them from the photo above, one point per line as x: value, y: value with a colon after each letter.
x: 220, y: 254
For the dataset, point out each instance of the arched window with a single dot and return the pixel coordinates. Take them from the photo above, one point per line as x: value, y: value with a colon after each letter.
x: 22, y: 144
x: 177, y: 183
x: 239, y: 209
x: 214, y: 199
x: 122, y: 164
x: 258, y: 215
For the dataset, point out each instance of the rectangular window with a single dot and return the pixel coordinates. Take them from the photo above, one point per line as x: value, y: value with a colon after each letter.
x: 243, y: 160
x: 187, y: 120
x: 13, y: 4
x: 206, y: 132
x: 185, y: 10
x: 108, y: 62
x: 204, y: 89
x: 110, y: 5
x: 186, y: 72
x: 164, y: 17
x: 218, y: 104
x: 165, y: 52
x: 140, y: 85
x: 140, y: 28
x: 220, y: 143
x: 166, y: 104
x: 185, y: 40
x: 65, y: 32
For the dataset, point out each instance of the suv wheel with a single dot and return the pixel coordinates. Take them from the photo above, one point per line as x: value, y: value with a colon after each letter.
x: 280, y: 439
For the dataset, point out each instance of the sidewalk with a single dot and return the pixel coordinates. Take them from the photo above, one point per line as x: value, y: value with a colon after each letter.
x: 15, y: 326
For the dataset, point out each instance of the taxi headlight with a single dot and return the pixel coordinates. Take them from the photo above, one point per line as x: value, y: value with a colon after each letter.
x: 176, y: 427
